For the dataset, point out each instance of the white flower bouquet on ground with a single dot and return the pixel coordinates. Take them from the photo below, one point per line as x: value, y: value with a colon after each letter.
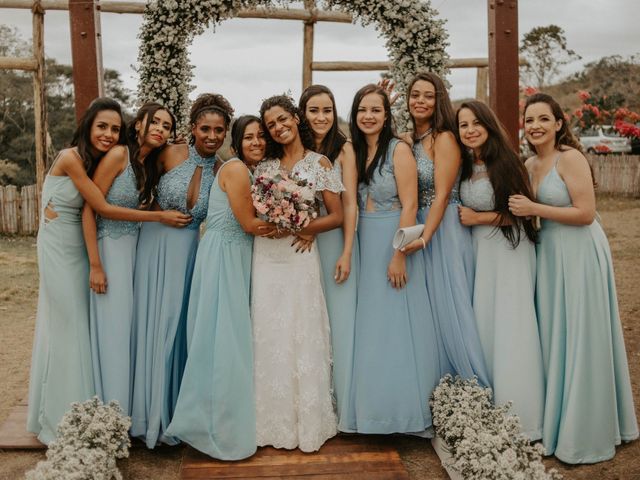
x: 482, y: 440
x: 90, y: 437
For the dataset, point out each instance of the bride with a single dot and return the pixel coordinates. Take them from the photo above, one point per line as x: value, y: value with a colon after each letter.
x: 292, y: 349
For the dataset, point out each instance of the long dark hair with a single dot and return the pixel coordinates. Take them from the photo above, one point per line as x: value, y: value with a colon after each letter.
x: 564, y: 137
x: 334, y: 140
x: 444, y: 118
x: 147, y: 173
x: 210, y: 103
x: 82, y: 136
x: 275, y: 149
x: 507, y: 173
x: 358, y: 138
x: 237, y: 133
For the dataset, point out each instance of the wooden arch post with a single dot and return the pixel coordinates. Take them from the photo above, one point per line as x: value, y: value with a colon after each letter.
x: 503, y: 63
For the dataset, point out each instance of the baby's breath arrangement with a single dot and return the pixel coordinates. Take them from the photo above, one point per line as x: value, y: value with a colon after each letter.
x: 415, y: 38
x: 90, y: 437
x: 484, y: 441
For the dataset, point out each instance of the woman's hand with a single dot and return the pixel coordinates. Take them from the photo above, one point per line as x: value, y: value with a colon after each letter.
x: 97, y: 279
x: 414, y: 246
x: 343, y: 268
x: 173, y: 218
x: 303, y: 243
x: 388, y: 86
x: 467, y: 216
x: 397, y: 270
x: 522, y: 206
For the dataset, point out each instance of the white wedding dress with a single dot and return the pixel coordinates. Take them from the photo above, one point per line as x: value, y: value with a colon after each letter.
x: 291, y: 336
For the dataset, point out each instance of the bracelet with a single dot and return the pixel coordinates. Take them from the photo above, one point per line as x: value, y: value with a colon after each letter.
x: 424, y: 244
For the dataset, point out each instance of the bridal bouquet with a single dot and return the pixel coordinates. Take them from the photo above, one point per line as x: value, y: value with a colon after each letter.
x: 287, y: 201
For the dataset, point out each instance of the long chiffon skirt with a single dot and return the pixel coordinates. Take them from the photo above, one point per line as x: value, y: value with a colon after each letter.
x: 395, y: 364
x: 164, y: 266
x: 504, y: 305
x: 215, y: 412
x: 589, y: 404
x: 61, y: 361
x: 111, y: 316
x: 341, y: 305
x: 449, y: 269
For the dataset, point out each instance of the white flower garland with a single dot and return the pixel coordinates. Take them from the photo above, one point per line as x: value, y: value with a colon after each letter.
x: 416, y: 41
x: 483, y: 440
x: 90, y: 437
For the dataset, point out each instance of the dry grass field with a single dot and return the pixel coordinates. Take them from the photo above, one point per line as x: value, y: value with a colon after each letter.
x: 18, y: 298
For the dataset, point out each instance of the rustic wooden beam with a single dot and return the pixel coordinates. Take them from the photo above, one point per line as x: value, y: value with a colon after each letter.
x: 349, y: 66
x: 503, y: 63
x: 15, y: 63
x: 85, y: 53
x: 482, y: 84
x: 307, y: 45
x: 39, y: 98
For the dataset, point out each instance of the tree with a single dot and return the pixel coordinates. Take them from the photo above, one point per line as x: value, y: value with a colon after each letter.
x: 545, y: 49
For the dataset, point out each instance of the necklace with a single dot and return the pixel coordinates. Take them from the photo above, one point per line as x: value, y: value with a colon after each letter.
x: 420, y: 137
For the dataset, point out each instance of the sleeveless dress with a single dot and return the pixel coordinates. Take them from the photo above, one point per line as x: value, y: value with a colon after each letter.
x: 291, y: 335
x: 61, y: 361
x: 395, y: 360
x: 449, y: 269
x: 215, y: 412
x: 111, y: 313
x: 341, y: 305
x: 589, y: 403
x: 164, y: 266
x: 504, y: 306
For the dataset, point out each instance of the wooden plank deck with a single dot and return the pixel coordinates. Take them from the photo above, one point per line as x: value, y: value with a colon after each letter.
x: 353, y: 457
x: 13, y: 432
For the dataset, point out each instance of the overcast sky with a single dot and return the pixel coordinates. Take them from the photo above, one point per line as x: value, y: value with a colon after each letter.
x: 248, y: 60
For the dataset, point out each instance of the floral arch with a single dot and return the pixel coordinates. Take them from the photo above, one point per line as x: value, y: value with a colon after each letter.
x: 415, y: 40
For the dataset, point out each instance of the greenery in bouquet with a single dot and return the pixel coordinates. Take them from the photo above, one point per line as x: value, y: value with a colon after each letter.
x: 90, y: 437
x: 483, y: 440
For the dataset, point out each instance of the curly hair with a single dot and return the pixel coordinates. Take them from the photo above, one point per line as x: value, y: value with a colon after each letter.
x: 210, y: 103
x: 275, y: 149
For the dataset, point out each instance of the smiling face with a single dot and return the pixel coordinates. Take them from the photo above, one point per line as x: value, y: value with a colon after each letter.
x: 253, y: 143
x: 208, y: 133
x: 320, y: 114
x: 422, y: 100
x: 473, y: 133
x: 540, y: 125
x: 159, y: 129
x: 371, y: 115
x: 105, y: 130
x: 282, y: 125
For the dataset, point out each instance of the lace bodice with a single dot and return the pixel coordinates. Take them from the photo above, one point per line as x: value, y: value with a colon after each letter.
x: 426, y: 179
x: 476, y: 192
x: 382, y: 190
x: 123, y: 193
x: 173, y: 187
x: 220, y: 217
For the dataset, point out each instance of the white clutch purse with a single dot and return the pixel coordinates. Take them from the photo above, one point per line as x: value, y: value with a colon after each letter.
x: 406, y: 235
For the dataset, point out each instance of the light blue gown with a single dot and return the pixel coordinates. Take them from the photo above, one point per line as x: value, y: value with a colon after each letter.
x: 164, y: 266
x: 504, y: 306
x: 589, y: 403
x: 215, y: 412
x: 111, y: 314
x: 341, y: 306
x: 61, y: 361
x: 395, y: 364
x: 449, y: 269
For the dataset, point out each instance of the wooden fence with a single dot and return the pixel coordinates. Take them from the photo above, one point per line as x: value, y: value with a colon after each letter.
x: 615, y: 174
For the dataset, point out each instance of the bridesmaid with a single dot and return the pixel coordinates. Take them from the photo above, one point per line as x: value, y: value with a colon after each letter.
x: 589, y: 403
x: 447, y: 244
x: 395, y: 360
x: 336, y: 247
x: 215, y: 412
x: 505, y: 279
x: 164, y: 265
x: 61, y: 363
x: 126, y: 177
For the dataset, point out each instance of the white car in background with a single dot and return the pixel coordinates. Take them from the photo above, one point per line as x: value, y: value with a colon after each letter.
x: 603, y: 139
